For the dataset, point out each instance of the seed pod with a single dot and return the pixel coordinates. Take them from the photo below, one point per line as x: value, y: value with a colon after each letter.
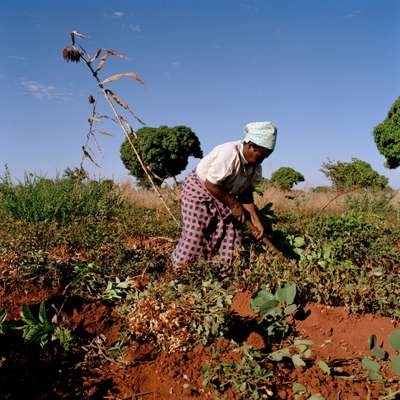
x: 91, y: 99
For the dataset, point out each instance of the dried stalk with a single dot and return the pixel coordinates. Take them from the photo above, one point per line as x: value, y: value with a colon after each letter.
x: 107, y: 93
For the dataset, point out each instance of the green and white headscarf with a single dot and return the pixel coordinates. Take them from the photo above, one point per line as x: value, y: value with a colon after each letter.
x: 261, y: 133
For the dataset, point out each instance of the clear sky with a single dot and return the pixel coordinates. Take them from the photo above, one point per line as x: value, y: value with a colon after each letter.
x: 324, y: 72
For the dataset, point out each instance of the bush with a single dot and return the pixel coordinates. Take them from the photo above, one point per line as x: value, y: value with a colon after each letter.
x: 357, y: 173
x: 285, y: 178
x: 387, y: 136
x: 164, y: 150
x: 59, y: 200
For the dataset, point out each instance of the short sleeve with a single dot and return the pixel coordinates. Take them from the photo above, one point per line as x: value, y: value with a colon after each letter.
x: 222, y: 165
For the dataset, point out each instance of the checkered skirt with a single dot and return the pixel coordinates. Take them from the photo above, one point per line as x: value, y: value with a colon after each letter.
x: 209, y: 229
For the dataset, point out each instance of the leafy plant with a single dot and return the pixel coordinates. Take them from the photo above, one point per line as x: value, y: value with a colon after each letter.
x: 116, y: 290
x: 275, y: 308
x: 373, y: 367
x: 165, y: 150
x: 387, y: 136
x: 40, y: 330
x: 248, y: 377
x: 296, y: 352
x: 285, y: 178
x: 176, y: 315
x: 350, y: 175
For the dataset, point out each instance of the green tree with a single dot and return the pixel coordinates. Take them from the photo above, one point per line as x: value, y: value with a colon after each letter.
x: 357, y: 173
x: 387, y: 136
x: 165, y: 150
x: 285, y: 178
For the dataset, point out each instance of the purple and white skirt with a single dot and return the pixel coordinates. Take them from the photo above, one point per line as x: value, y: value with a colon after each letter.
x: 209, y: 230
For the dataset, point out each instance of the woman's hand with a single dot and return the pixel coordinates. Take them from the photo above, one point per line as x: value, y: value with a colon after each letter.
x: 258, y: 232
x: 238, y: 212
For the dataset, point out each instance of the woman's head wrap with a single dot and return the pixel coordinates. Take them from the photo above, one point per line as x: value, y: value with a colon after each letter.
x: 261, y: 133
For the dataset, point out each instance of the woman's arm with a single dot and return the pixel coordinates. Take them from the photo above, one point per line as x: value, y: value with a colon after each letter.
x: 222, y: 195
x: 247, y: 201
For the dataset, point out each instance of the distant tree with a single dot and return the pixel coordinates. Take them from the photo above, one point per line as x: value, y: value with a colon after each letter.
x: 387, y: 136
x: 285, y: 178
x: 357, y: 173
x: 165, y: 150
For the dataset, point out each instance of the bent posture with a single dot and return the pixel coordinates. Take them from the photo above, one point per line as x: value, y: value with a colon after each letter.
x: 218, y: 195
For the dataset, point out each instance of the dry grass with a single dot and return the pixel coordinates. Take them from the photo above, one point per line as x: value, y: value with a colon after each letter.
x: 304, y: 202
x: 314, y: 202
x: 307, y: 203
x: 148, y: 198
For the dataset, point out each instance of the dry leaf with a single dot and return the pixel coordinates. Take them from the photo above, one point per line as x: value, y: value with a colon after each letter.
x: 117, y: 77
x: 98, y: 52
x: 105, y: 133
x: 76, y: 33
x: 87, y: 154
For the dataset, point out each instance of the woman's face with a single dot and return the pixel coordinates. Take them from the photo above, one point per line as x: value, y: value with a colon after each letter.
x: 255, y: 154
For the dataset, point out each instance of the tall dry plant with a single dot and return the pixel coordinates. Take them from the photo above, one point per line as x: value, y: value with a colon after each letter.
x: 96, y: 65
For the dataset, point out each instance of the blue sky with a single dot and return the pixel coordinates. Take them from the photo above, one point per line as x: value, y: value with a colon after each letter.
x: 325, y: 72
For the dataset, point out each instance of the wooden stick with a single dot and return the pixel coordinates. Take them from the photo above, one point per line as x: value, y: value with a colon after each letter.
x: 270, y: 246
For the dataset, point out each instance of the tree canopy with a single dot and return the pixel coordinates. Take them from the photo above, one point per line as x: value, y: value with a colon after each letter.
x: 357, y: 173
x: 165, y: 150
x: 387, y: 136
x: 285, y: 178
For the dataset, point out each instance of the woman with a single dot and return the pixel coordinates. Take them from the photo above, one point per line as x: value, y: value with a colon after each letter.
x: 219, y: 193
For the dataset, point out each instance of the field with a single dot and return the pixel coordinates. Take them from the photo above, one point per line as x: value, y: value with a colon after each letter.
x: 91, y: 308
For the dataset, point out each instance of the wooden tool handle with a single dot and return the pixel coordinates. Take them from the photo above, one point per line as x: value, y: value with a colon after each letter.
x: 271, y: 247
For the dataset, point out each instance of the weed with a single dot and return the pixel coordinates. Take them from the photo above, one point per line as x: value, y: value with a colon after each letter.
x: 275, y: 308
x: 175, y: 315
x: 248, y: 377
x: 373, y: 366
x: 40, y: 330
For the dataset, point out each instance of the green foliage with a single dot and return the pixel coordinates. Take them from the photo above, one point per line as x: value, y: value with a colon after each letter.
x: 295, y: 352
x: 164, y: 150
x: 59, y: 200
x: 116, y: 290
x: 248, y: 377
x: 373, y: 204
x: 285, y: 178
x: 275, y: 308
x: 40, y: 330
x: 357, y: 173
x: 387, y: 136
x: 36, y: 330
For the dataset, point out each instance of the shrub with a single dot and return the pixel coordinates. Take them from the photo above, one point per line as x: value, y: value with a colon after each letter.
x: 285, y: 178
x: 165, y: 151
x: 357, y: 173
x: 387, y: 136
x: 61, y: 200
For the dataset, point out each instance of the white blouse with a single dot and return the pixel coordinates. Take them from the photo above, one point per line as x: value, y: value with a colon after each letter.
x: 226, y: 166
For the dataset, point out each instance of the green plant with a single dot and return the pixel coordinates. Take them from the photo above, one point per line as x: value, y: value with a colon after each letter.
x: 85, y: 279
x: 374, y: 204
x: 41, y: 330
x: 248, y: 378
x: 373, y: 366
x: 350, y: 175
x: 387, y: 136
x: 116, y: 290
x: 60, y: 200
x: 285, y: 178
x: 176, y: 315
x: 165, y: 150
x: 295, y: 352
x: 275, y: 308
